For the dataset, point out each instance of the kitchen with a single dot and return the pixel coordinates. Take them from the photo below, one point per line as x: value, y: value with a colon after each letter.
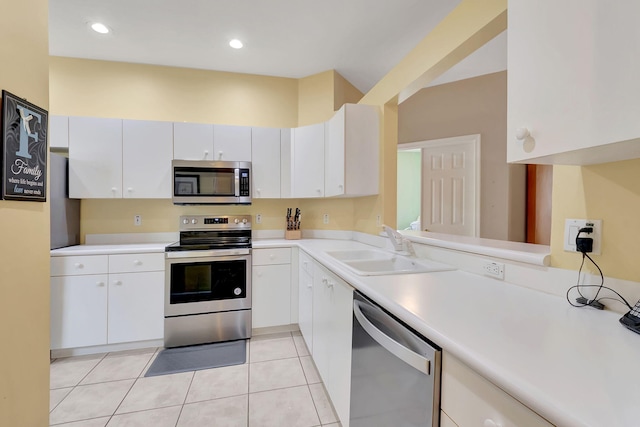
x: 594, y: 191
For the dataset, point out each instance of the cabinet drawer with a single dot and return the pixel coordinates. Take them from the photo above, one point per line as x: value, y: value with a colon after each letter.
x: 306, y: 263
x: 272, y: 256
x: 469, y: 399
x: 131, y: 263
x: 79, y: 265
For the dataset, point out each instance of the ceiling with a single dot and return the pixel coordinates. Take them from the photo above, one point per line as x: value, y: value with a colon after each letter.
x: 360, y: 39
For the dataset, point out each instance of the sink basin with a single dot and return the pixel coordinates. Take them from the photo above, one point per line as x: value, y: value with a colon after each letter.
x: 377, y: 263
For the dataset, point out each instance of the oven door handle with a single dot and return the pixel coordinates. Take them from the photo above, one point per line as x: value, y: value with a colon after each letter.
x: 206, y: 253
x: 409, y: 357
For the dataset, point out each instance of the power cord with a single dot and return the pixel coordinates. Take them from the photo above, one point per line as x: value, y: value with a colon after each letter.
x: 585, y: 245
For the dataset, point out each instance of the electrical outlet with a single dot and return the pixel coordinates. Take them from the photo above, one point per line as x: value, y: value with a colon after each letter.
x: 494, y: 269
x: 379, y: 221
x: 571, y: 228
x: 325, y: 218
x: 137, y: 220
x: 258, y: 218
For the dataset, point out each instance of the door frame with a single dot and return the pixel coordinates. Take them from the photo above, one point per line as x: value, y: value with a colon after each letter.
x: 474, y: 139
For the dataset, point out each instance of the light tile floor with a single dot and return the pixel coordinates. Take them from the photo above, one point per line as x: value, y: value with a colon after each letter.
x: 278, y: 386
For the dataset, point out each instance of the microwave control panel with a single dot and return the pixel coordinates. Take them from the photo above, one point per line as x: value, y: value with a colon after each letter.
x: 244, y: 183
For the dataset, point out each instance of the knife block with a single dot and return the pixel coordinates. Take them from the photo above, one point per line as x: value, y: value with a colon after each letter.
x: 292, y: 234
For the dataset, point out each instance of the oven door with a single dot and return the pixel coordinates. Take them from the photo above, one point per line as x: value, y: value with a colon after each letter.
x: 207, y: 281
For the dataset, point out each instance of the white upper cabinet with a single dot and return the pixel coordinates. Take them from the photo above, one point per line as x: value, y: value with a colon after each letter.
x: 147, y: 150
x: 351, y: 161
x: 307, y: 148
x: 232, y: 143
x: 95, y: 158
x: 573, y: 82
x: 58, y: 131
x: 192, y: 141
x: 265, y: 152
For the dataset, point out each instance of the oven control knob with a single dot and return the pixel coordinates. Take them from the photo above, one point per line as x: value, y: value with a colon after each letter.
x: 237, y: 291
x: 244, y: 220
x: 194, y: 221
x: 236, y: 220
x: 185, y: 221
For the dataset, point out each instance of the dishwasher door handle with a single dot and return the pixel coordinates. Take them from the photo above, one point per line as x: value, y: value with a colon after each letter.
x: 409, y: 357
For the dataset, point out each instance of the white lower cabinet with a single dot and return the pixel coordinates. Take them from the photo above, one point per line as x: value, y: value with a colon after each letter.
x: 469, y: 399
x: 271, y: 287
x: 136, y: 303
x: 332, y: 323
x: 78, y: 311
x: 305, y: 295
x: 106, y: 299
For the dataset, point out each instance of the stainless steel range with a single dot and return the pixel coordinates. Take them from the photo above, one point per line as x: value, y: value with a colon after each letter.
x: 208, y: 281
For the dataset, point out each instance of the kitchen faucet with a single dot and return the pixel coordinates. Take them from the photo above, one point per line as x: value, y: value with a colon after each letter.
x: 399, y: 242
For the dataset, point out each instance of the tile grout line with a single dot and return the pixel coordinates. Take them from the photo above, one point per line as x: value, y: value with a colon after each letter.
x: 185, y: 398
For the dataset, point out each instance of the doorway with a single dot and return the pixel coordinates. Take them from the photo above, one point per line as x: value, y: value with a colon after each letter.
x: 446, y: 191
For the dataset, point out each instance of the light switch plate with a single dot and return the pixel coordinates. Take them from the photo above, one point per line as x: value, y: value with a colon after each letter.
x: 571, y: 228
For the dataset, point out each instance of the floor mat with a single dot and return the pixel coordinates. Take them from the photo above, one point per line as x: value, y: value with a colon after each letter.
x: 197, y: 357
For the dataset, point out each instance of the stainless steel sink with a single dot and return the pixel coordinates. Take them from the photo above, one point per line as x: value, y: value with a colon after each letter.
x: 378, y: 262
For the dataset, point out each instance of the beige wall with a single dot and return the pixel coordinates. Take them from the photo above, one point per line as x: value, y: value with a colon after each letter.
x: 610, y: 192
x: 474, y: 106
x: 134, y: 91
x: 24, y: 246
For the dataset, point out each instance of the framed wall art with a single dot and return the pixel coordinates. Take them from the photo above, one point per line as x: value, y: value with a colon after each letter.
x: 24, y: 150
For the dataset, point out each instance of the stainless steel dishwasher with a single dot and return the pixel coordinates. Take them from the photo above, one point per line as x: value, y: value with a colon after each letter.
x: 395, y: 372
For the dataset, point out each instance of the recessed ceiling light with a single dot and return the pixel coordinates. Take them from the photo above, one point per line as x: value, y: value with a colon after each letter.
x: 236, y: 44
x: 99, y: 28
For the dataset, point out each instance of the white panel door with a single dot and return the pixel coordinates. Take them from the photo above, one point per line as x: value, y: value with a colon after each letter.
x: 271, y: 295
x: 450, y: 201
x: 232, y: 143
x: 192, y: 141
x: 78, y: 311
x: 308, y: 161
x: 265, y: 152
x: 136, y: 307
x: 305, y: 305
x: 95, y: 158
x: 147, y: 150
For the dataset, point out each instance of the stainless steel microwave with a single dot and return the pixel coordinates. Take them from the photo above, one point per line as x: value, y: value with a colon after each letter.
x: 202, y: 182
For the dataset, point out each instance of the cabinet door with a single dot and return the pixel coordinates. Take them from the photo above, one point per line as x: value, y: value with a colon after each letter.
x: 146, y: 159
x: 136, y: 307
x: 340, y: 316
x: 572, y: 82
x: 352, y: 152
x: 232, y: 143
x: 95, y: 158
x: 271, y: 295
x: 305, y: 302
x: 308, y: 161
x: 192, y: 141
x: 59, y: 131
x: 78, y: 311
x: 265, y: 152
x: 321, y: 322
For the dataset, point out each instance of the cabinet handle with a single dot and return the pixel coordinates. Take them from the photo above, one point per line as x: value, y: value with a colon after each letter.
x: 129, y: 189
x: 137, y: 262
x: 340, y: 186
x: 100, y: 283
x: 319, y: 191
x: 220, y: 155
x: 117, y: 282
x: 272, y: 256
x: 309, y: 285
x: 206, y: 153
x: 259, y: 274
x: 330, y: 284
x: 522, y: 134
x: 78, y: 265
x: 114, y: 190
x: 258, y: 190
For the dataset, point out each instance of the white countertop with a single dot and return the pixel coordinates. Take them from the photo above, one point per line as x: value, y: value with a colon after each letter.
x: 573, y: 366
x: 131, y: 248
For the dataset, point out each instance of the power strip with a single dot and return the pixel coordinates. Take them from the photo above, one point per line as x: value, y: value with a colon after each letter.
x: 590, y: 303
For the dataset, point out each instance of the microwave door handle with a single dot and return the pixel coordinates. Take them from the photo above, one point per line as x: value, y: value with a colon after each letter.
x: 237, y: 181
